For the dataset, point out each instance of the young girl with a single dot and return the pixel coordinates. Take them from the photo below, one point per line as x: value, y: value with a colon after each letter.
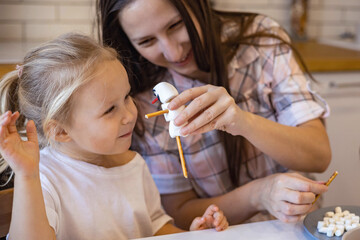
x: 250, y: 112
x: 72, y: 98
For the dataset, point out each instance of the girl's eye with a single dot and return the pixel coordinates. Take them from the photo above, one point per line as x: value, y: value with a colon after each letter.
x: 109, y: 110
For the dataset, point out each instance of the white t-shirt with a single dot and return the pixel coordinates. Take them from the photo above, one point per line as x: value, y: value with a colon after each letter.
x: 85, y: 201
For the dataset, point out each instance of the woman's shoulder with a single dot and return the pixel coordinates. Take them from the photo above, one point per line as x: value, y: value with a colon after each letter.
x: 259, y: 25
x: 267, y: 25
x: 262, y: 22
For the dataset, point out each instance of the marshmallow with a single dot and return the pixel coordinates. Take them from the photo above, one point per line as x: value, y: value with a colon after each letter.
x: 337, y: 222
x: 165, y: 92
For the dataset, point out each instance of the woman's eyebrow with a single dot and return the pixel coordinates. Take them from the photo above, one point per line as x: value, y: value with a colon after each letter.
x: 170, y: 22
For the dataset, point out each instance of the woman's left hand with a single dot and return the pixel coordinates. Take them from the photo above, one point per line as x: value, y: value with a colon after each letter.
x: 211, y: 107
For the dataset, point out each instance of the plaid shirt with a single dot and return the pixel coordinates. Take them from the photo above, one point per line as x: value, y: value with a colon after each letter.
x: 273, y: 86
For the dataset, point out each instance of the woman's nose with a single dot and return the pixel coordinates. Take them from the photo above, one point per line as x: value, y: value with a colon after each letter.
x: 171, y: 50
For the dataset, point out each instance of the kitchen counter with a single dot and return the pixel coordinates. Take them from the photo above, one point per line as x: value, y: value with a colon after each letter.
x: 4, y: 68
x: 321, y: 57
x: 318, y: 56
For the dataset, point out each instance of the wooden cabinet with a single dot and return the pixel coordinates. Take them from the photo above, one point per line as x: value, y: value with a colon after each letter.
x: 6, y: 198
x: 4, y: 68
x: 342, y: 93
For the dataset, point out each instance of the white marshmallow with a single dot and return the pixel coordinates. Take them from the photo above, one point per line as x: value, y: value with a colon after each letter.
x: 165, y: 92
x: 339, y: 232
x: 320, y: 224
x: 332, y: 226
x: 330, y: 232
x: 338, y: 210
x: 323, y: 230
x: 329, y: 214
x: 338, y: 222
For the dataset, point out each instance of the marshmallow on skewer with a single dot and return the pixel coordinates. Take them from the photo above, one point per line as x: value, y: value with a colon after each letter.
x: 165, y: 92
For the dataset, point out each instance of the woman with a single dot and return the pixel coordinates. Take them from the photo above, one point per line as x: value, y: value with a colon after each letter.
x: 245, y: 94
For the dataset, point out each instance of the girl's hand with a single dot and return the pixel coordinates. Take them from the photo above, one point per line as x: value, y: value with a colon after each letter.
x: 211, y: 108
x: 212, y: 218
x: 288, y: 196
x: 22, y: 156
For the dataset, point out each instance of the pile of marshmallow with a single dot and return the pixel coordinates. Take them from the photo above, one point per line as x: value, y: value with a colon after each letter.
x: 336, y: 223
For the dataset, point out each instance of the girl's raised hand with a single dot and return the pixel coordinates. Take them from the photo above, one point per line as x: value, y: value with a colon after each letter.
x: 211, y: 107
x: 212, y: 218
x: 22, y: 156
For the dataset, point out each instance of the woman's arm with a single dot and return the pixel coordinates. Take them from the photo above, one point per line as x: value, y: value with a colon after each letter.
x: 28, y: 220
x: 302, y: 148
x: 286, y: 196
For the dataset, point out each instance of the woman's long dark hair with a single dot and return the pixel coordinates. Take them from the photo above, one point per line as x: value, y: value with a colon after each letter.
x: 211, y: 56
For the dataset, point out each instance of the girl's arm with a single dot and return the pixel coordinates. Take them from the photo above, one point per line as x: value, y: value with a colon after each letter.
x: 286, y: 196
x: 28, y: 220
x: 302, y: 148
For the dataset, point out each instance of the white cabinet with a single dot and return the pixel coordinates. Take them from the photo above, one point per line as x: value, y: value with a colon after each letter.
x: 342, y: 92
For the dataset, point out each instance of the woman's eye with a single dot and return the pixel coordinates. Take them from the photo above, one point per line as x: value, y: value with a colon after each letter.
x: 146, y: 42
x: 109, y: 110
x: 176, y: 24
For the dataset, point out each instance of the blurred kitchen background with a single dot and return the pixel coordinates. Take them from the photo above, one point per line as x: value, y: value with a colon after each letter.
x: 327, y: 34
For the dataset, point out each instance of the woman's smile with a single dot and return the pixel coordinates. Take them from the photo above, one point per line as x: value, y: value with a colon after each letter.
x: 183, y: 62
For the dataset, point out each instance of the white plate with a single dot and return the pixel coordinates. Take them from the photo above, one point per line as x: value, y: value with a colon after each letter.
x: 311, y: 220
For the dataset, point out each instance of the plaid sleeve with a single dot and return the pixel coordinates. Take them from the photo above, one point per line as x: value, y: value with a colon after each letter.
x: 293, y: 100
x: 292, y: 96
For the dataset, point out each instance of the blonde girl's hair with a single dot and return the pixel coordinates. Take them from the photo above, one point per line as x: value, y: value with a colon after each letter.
x: 42, y: 87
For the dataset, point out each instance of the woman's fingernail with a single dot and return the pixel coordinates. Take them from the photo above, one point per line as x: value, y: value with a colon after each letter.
x: 184, y: 132
x: 178, y: 121
x: 171, y: 106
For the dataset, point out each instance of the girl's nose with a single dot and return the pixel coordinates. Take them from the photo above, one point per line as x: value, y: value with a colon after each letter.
x: 129, y: 114
x: 171, y: 50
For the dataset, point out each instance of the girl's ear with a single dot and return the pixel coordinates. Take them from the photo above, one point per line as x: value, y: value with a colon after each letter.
x: 57, y: 132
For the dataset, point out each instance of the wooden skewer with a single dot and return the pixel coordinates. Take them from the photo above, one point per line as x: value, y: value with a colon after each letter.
x: 182, y: 159
x: 327, y: 184
x: 154, y: 114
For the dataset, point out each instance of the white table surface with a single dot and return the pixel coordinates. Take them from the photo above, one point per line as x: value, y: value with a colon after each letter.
x: 268, y: 230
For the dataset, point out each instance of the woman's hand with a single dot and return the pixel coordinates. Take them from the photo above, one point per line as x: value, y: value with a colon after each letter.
x: 287, y: 196
x: 212, y: 218
x: 211, y: 108
x: 22, y: 156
